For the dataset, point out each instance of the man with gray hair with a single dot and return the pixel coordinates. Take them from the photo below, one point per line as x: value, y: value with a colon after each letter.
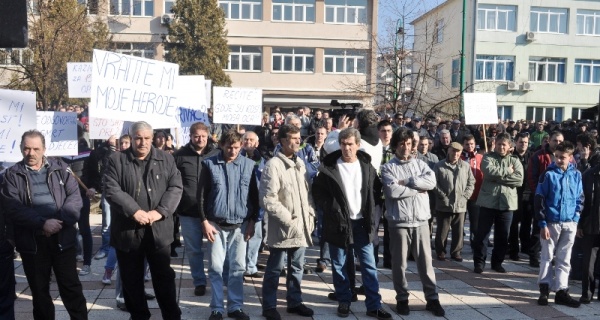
x: 143, y: 187
x: 441, y: 149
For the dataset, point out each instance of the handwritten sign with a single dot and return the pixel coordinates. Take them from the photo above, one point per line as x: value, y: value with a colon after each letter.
x: 79, y: 76
x: 126, y: 87
x: 60, y: 131
x: 193, y: 106
x: 237, y: 105
x: 208, y: 90
x: 17, y: 115
x: 480, y: 108
x: 101, y: 128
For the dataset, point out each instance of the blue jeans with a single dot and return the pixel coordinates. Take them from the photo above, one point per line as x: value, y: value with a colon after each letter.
x: 191, y: 229
x: 111, y: 259
x: 253, y: 246
x: 230, y: 244
x: 363, y: 248
x: 105, y: 224
x: 293, y: 277
x: 501, y: 221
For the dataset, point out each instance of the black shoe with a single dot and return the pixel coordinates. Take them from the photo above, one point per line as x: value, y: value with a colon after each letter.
x: 307, y: 269
x: 544, y: 293
x: 149, y: 296
x: 301, y: 310
x: 499, y: 269
x: 343, y: 310
x: 457, y: 258
x: 563, y: 297
x: 174, y: 253
x: 535, y: 263
x: 515, y: 257
x: 333, y: 296
x: 282, y: 273
x: 379, y: 314
x: 200, y: 290
x: 215, y: 315
x: 121, y: 306
x: 271, y: 314
x: 387, y: 265
x: 435, y: 308
x: 252, y: 275
x: 320, y: 267
x: 238, y: 314
x: 585, y: 300
x: 402, y: 308
x: 360, y: 290
x: 478, y: 270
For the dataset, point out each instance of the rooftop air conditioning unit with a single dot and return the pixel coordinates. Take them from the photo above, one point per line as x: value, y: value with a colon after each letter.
x: 512, y: 86
x: 527, y: 86
x: 166, y: 19
x: 530, y: 36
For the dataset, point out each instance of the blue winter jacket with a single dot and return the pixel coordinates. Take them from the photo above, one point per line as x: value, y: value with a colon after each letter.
x: 559, y: 196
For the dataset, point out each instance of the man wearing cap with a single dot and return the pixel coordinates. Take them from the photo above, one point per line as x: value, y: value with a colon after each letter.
x: 455, y: 185
x: 416, y: 127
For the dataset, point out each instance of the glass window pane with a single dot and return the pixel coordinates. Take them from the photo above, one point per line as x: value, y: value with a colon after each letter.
x: 257, y: 12
x: 553, y: 23
x: 502, y: 21
x: 561, y: 73
x: 500, y: 71
x: 351, y: 12
x: 125, y: 7
x: 597, y: 25
x: 533, y: 24
x: 480, y: 19
x: 552, y: 72
x: 543, y: 25
x: 558, y: 114
x: 580, y: 24
x: 489, y: 70
x: 563, y: 23
x: 361, y: 66
x: 541, y: 72
x: 509, y: 71
x: 310, y: 14
x: 539, y: 114
x: 246, y: 10
x: 276, y: 63
x: 586, y: 74
x: 257, y: 63
x: 329, y: 14
x: 288, y: 13
x: 589, y: 25
x: 512, y: 25
x: 310, y: 64
x: 491, y: 20
x: 235, y: 62
x: 362, y: 16
x: 149, y: 9
x: 350, y: 65
x: 479, y: 70
x: 298, y: 63
x: 529, y: 113
x: 339, y: 65
x: 288, y: 63
x: 341, y: 15
x: 596, y: 74
x: 277, y: 13
x: 298, y: 13
x: 245, y: 62
x: 577, y: 73
x: 235, y: 11
x: 328, y: 64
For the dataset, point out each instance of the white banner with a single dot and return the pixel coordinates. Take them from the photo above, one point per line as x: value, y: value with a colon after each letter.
x: 480, y: 108
x: 79, y: 76
x: 131, y: 88
x: 237, y: 105
x: 104, y: 128
x: 17, y: 115
x: 193, y: 106
x: 60, y: 131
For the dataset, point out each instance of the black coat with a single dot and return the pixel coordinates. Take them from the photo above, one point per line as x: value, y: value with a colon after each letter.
x: 329, y: 195
x: 590, y: 216
x: 122, y: 187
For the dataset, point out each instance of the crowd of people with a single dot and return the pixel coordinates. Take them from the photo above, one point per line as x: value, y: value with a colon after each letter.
x: 296, y: 180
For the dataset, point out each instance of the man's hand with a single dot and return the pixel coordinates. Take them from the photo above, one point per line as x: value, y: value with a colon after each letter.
x: 154, y: 216
x: 90, y: 193
x: 579, y: 233
x: 249, y: 233
x: 141, y: 217
x: 584, y: 152
x: 343, y: 122
x: 545, y: 233
x: 52, y: 226
x: 511, y: 170
x: 209, y: 231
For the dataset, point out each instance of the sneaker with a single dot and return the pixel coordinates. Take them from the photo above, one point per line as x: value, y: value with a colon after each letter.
x: 457, y: 258
x: 301, y: 310
x: 563, y: 297
x: 200, y: 291
x: 435, y: 308
x: 85, y: 270
x: 379, y: 314
x: 238, y: 314
x: 79, y: 258
x: 215, y: 315
x: 402, y: 308
x: 271, y: 314
x: 343, y: 310
x: 544, y: 293
x: 320, y: 267
x: 107, y: 278
x: 252, y: 275
x: 499, y: 269
x: 100, y: 255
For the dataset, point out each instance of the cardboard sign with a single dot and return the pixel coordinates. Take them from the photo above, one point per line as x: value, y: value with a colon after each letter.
x: 17, y: 115
x: 79, y: 76
x: 237, y: 105
x: 60, y: 131
x: 193, y: 106
x: 480, y: 108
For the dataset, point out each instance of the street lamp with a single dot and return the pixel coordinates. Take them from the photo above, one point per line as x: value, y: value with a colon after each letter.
x: 398, y: 64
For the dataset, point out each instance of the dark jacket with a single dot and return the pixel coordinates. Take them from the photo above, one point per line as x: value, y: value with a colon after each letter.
x: 25, y: 220
x: 328, y: 193
x: 591, y: 161
x: 589, y: 221
x: 95, y: 166
x: 189, y: 163
x: 538, y: 163
x: 123, y: 183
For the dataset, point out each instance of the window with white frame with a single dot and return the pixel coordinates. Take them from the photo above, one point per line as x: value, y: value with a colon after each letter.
x: 346, y: 11
x: 588, y: 22
x: 138, y: 8
x: 438, y: 36
x: 455, y: 73
x: 345, y: 61
x: 587, y: 71
x: 245, y: 58
x: 294, y: 60
x: 169, y: 5
x: 143, y: 50
x: 294, y: 10
x: 495, y: 68
x: 549, y: 20
x: 15, y: 57
x: 576, y: 113
x: 504, y: 112
x: 547, y: 69
x: 544, y: 113
x: 496, y: 17
x: 438, y: 75
x: 242, y: 9
x: 91, y: 5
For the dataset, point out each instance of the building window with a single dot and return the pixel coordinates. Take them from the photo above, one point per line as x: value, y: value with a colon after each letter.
x: 495, y: 68
x: 544, y: 113
x: 455, y: 73
x: 576, y: 113
x: 245, y: 58
x: 505, y: 112
x: 138, y: 8
x: 549, y: 20
x: 143, y: 50
x: 91, y: 5
x: 345, y: 61
x: 438, y: 36
x: 242, y: 9
x: 587, y: 71
x: 496, y: 17
x: 294, y: 10
x: 438, y: 75
x: 547, y: 69
x: 169, y: 5
x: 588, y: 22
x: 293, y: 60
x: 33, y: 6
x: 15, y: 57
x: 346, y: 11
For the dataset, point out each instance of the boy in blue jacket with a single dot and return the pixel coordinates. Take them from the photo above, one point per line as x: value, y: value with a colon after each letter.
x: 558, y: 204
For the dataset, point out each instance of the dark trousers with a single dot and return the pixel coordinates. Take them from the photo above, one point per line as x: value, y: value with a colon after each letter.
x: 445, y: 221
x: 37, y: 270
x: 7, y: 281
x: 387, y: 256
x: 520, y: 229
x: 131, y: 267
x: 85, y: 231
x: 473, y: 211
x: 501, y: 220
x: 591, y: 244
x: 176, y: 233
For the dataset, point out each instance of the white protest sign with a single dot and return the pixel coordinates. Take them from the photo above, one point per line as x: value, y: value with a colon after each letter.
x: 237, y: 105
x: 192, y: 104
x: 208, y: 90
x: 126, y: 87
x: 104, y: 128
x: 79, y: 76
x: 60, y: 131
x: 17, y: 115
x: 480, y: 108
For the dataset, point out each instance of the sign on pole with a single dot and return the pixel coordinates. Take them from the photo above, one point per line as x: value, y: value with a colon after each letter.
x: 237, y: 105
x: 79, y: 75
x: 480, y: 108
x: 17, y: 115
x: 60, y: 131
x: 101, y: 128
x: 193, y: 107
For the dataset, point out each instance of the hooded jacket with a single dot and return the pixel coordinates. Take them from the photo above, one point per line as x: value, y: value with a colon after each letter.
x: 559, y: 196
x: 369, y: 143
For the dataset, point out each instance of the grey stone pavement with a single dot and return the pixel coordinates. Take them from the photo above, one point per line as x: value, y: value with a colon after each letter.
x: 464, y: 294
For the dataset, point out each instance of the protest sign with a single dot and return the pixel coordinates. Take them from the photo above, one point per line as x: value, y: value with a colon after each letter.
x: 191, y: 98
x: 79, y: 76
x: 208, y: 90
x: 101, y: 128
x: 60, y: 131
x: 17, y: 115
x: 480, y: 108
x: 127, y: 87
x: 237, y: 105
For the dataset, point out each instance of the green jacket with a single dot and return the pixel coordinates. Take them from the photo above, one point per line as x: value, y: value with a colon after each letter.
x: 499, y: 188
x: 536, y: 138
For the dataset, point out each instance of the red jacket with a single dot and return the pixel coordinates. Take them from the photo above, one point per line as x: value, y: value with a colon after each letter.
x: 474, y: 159
x: 538, y: 163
